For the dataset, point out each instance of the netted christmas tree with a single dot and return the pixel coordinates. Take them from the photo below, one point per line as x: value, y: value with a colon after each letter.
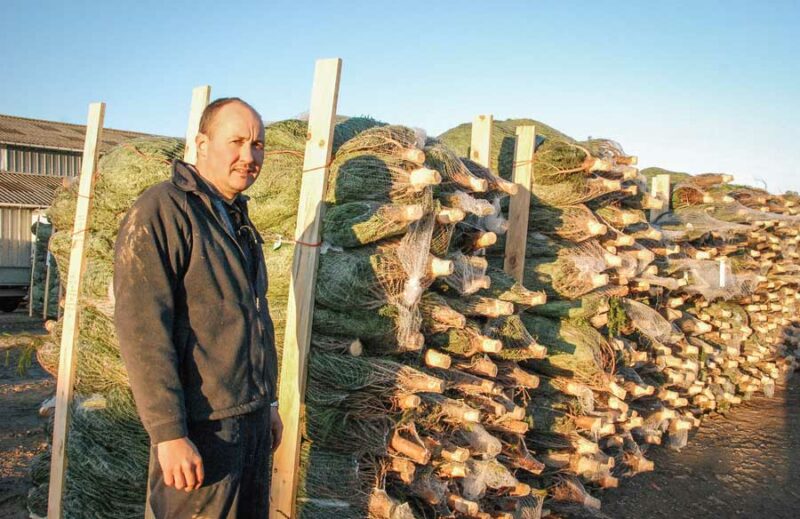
x: 438, y: 385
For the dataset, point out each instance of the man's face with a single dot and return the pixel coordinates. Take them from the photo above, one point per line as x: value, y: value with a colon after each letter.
x: 231, y: 154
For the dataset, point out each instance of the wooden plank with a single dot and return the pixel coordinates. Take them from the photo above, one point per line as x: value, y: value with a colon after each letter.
x: 47, y: 278
x: 33, y: 268
x: 481, y: 143
x: 69, y: 333
x: 58, y: 306
x: 519, y: 207
x: 723, y: 271
x: 201, y: 95
x: 300, y: 310
x: 661, y: 190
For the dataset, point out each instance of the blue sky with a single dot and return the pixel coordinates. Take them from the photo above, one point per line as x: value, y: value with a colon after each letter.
x: 691, y: 86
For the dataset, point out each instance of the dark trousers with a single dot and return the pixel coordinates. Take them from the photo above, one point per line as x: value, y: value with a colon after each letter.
x: 235, y: 454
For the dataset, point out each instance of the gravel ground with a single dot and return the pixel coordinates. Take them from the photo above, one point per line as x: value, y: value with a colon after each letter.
x: 22, y: 430
x: 746, y: 464
x: 18, y: 322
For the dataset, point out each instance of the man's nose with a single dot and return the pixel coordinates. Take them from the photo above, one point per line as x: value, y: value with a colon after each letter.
x: 246, y: 153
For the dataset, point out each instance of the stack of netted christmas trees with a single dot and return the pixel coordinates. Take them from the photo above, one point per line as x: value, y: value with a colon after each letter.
x: 654, y: 341
x: 438, y: 386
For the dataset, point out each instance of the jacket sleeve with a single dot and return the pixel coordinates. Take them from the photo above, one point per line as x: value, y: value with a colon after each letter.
x: 152, y: 246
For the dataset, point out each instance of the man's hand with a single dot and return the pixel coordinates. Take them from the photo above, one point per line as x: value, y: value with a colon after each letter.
x: 276, y: 427
x: 181, y: 464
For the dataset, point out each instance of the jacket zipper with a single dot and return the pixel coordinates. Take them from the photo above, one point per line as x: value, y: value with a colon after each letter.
x: 251, y: 288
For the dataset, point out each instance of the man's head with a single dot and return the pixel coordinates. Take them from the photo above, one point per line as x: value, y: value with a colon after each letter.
x: 230, y: 145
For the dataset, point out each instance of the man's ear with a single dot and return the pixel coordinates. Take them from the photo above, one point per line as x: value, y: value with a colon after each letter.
x: 201, y: 142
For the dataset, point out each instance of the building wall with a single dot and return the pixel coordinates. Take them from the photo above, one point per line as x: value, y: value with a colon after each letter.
x: 15, y: 236
x: 40, y: 161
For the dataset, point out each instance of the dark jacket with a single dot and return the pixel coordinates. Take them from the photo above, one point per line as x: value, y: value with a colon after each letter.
x: 194, y: 331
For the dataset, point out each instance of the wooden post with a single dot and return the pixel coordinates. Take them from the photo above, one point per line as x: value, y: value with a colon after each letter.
x: 46, y: 287
x: 481, y: 144
x: 58, y: 299
x: 662, y: 190
x: 33, y: 267
x: 300, y: 310
x: 200, y: 98
x: 723, y: 271
x: 519, y: 207
x: 69, y: 334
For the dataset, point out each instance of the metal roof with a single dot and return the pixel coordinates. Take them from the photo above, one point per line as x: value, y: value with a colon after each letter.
x: 50, y: 134
x: 20, y: 189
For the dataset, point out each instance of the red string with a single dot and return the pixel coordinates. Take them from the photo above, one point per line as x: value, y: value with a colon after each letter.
x: 318, y: 244
x: 145, y: 156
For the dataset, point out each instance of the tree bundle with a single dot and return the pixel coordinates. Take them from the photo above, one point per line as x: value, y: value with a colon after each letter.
x: 438, y: 385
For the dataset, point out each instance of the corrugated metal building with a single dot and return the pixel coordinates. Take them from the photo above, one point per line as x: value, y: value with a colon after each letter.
x: 23, y: 197
x: 35, y: 158
x: 47, y: 147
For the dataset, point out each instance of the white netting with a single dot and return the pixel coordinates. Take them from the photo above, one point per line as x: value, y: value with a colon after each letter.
x: 482, y: 444
x: 648, y: 321
x: 678, y: 439
x: 468, y: 273
x: 483, y: 475
x: 467, y: 203
x: 569, y: 489
x: 703, y: 277
x: 737, y: 212
x: 412, y: 254
x: 588, y: 257
x: 695, y: 222
x: 495, y: 222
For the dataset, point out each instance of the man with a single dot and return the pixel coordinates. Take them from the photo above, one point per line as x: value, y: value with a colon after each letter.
x: 194, y: 328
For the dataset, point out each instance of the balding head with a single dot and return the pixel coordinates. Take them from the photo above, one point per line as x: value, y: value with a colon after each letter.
x: 208, y: 118
x: 230, y: 146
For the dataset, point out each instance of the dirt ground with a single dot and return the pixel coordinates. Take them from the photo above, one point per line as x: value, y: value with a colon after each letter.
x: 742, y: 465
x: 22, y: 434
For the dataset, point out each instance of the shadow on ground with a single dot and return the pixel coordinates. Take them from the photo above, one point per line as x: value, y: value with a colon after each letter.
x: 22, y: 431
x: 743, y: 465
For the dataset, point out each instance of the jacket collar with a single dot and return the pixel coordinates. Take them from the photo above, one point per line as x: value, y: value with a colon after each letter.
x: 186, y: 178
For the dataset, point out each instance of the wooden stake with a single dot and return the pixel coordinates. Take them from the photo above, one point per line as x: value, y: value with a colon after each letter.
x: 481, y: 145
x: 723, y: 263
x: 319, y: 145
x: 58, y: 299
x: 200, y: 97
x: 517, y: 235
x: 33, y: 269
x: 661, y: 190
x: 46, y: 287
x: 69, y: 333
